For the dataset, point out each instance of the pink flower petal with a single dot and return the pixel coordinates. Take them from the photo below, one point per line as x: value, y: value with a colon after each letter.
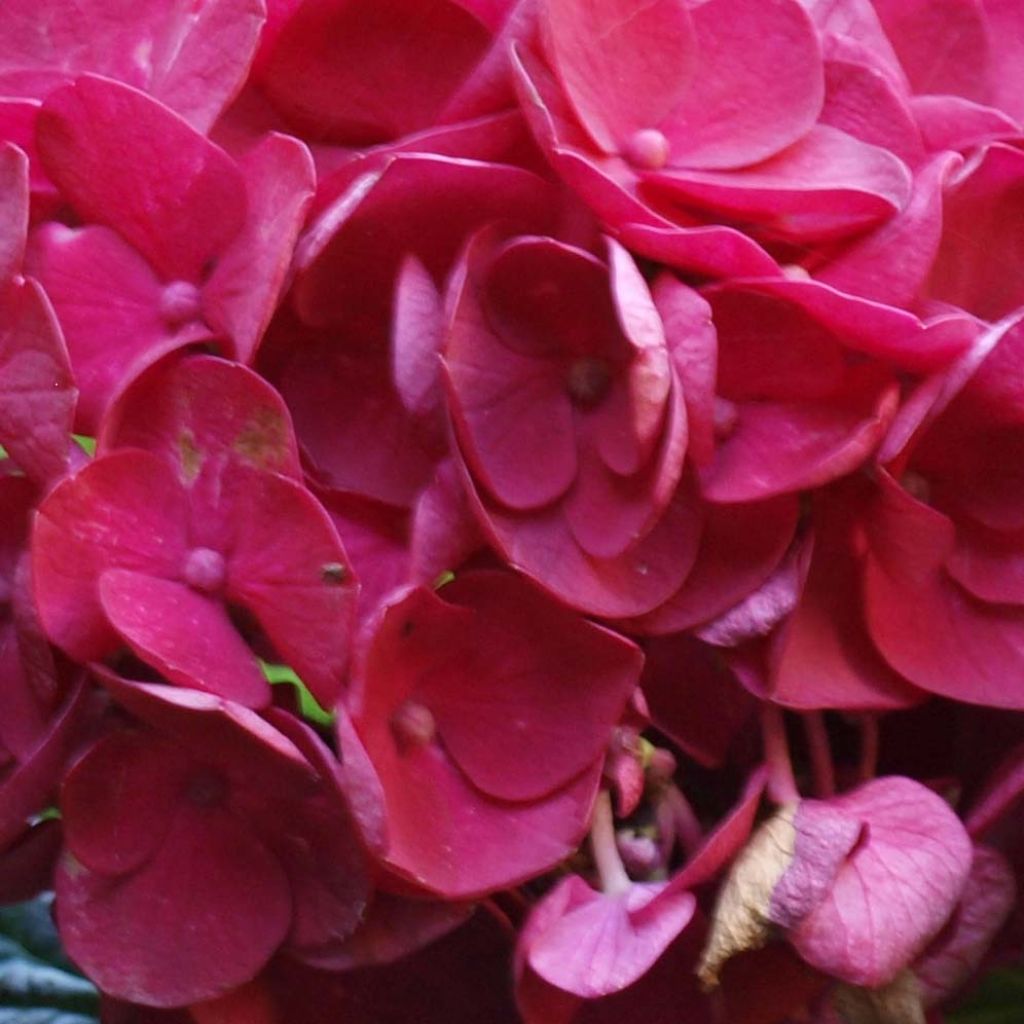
x: 288, y: 567
x: 959, y: 949
x: 37, y: 391
x: 639, y: 579
x: 623, y: 66
x: 778, y: 447
x: 118, y: 511
x: 822, y: 655
x: 119, y: 801
x: 111, y: 307
x: 416, y: 339
x: 756, y: 89
x: 693, y: 698
x: 165, y: 937
x: 13, y: 208
x: 370, y: 70
x: 826, y: 185
x: 184, y: 634
x: 977, y: 229
x: 896, y: 889
x: 925, y: 625
x: 942, y: 44
x: 201, y: 413
x: 603, y: 943
x: 740, y: 547
x: 891, y: 264
x: 167, y: 190
x: 242, y: 292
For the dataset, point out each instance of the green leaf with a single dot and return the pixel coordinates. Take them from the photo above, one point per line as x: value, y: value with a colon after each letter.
x: 308, y: 706
x: 38, y: 984
x: 87, y: 444
x: 998, y: 1000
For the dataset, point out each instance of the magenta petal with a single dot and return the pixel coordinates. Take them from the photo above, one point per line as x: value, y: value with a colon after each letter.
x: 978, y: 229
x: 892, y: 263
x: 757, y: 88
x: 242, y: 292
x: 23, y: 792
x: 639, y: 579
x: 605, y: 942
x: 37, y: 392
x: 119, y: 511
x: 623, y: 67
x: 118, y: 801
x: 200, y: 412
x: 955, y: 123
x: 167, y: 190
x: 925, y: 625
x: 167, y: 937
x: 513, y: 413
x: 693, y: 348
x: 478, y: 845
x: 184, y: 634
x: 779, y: 447
x: 896, y: 889
x: 419, y: 203
x: 13, y: 208
x: 109, y: 303
x: 287, y: 567
x: 364, y: 71
x: 740, y: 547
x: 728, y: 837
x: 826, y: 185
x: 942, y: 44
x: 444, y: 530
x: 960, y: 948
x: 416, y: 339
x: 544, y: 667
x: 693, y: 698
x: 825, y: 836
x: 203, y: 62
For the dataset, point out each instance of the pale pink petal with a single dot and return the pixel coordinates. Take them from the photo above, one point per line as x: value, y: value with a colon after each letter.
x: 13, y: 208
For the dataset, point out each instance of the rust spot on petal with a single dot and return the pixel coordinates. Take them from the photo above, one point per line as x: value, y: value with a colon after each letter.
x: 191, y: 456
x: 263, y: 441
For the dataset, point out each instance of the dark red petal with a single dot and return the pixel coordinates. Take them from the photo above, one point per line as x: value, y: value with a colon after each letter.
x: 167, y: 937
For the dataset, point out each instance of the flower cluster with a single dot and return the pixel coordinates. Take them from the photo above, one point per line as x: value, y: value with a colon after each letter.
x: 513, y: 510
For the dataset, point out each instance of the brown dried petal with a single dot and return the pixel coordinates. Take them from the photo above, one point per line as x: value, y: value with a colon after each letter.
x: 741, y: 919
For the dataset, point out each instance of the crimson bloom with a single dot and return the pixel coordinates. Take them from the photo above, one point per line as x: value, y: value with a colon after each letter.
x: 179, y: 521
x: 194, y: 244
x: 179, y: 882
x: 486, y: 711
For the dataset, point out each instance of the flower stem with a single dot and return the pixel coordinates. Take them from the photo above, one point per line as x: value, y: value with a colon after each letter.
x: 821, y: 754
x: 781, y: 783
x: 869, y: 742
x: 614, y: 879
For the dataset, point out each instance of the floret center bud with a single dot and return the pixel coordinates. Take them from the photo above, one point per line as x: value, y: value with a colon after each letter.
x: 413, y: 725
x: 648, y: 149
x: 180, y: 303
x: 205, y: 570
x: 588, y: 381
